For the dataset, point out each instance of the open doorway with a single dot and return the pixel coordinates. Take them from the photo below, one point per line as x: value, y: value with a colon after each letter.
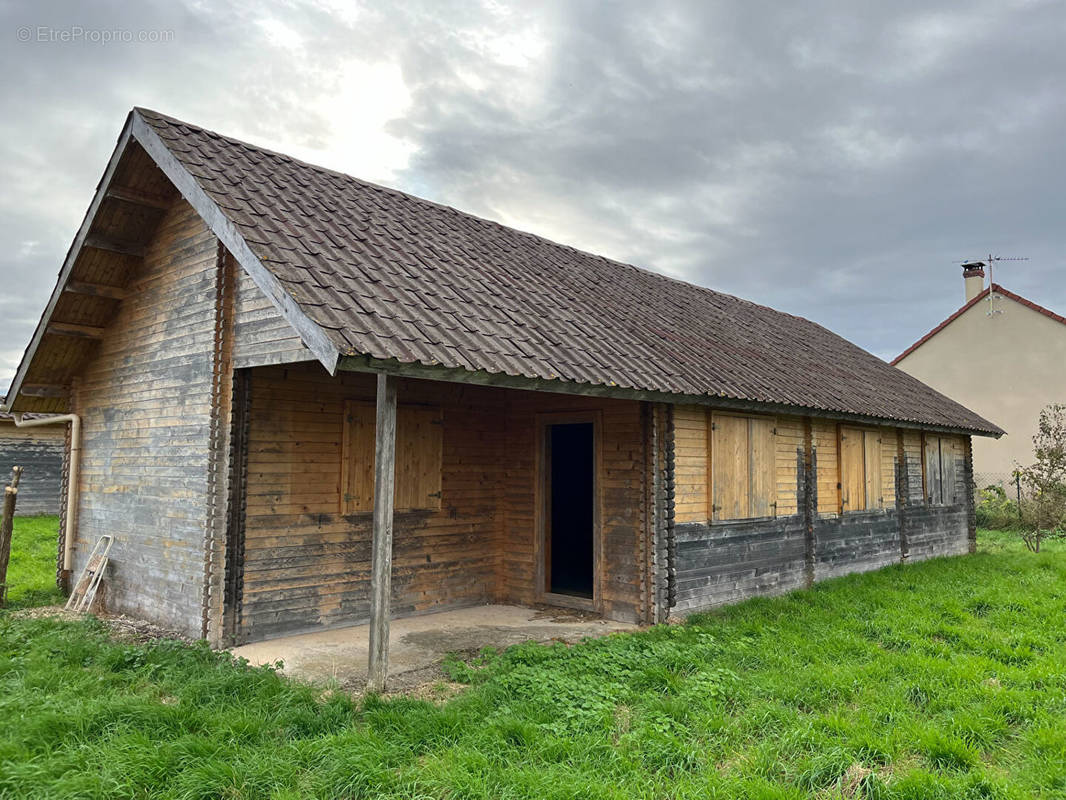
x: 570, y: 513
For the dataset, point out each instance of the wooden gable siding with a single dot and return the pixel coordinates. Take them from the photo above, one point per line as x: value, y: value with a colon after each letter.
x: 39, y: 451
x: 262, y: 336
x: 145, y: 401
x: 307, y: 565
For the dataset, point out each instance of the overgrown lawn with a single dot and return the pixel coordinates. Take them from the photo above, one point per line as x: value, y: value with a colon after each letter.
x: 943, y: 679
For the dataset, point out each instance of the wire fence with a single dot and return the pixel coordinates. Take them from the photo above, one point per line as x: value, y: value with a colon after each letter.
x: 1007, y: 481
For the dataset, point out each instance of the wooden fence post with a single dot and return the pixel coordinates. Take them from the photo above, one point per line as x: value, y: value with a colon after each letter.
x: 7, y: 525
x: 381, y: 551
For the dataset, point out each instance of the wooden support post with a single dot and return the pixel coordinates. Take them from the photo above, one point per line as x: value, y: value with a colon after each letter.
x: 7, y: 525
x: 381, y: 570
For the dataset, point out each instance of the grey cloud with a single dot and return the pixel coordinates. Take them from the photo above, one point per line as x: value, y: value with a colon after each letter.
x: 832, y: 159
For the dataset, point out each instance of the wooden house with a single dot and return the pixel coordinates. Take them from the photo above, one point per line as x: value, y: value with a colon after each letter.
x: 39, y: 450
x: 308, y: 401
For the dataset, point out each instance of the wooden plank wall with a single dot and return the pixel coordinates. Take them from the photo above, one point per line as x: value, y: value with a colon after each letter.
x: 912, y: 452
x: 145, y: 401
x: 789, y: 442
x: 824, y: 441
x: 39, y: 451
x: 306, y: 565
x: 261, y: 334
x: 726, y: 561
x: 622, y: 493
x: 691, y: 471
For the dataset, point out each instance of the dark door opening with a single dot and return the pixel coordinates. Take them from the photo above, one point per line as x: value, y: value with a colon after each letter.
x: 571, y: 508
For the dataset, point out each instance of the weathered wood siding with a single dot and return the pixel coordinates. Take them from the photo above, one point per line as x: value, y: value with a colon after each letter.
x: 145, y: 401
x: 39, y: 451
x: 856, y: 541
x: 939, y: 530
x: 306, y: 565
x: 261, y: 334
x: 622, y: 494
x: 809, y: 540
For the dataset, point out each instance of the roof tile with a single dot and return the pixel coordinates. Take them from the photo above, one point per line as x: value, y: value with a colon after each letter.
x: 391, y: 276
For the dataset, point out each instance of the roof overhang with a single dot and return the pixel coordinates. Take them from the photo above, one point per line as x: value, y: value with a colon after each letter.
x: 137, y: 131
x: 558, y: 386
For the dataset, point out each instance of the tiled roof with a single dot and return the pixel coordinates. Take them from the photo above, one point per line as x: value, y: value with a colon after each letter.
x: 970, y: 304
x: 391, y: 276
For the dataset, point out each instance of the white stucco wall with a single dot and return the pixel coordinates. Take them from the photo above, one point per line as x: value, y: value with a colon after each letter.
x: 1004, y: 366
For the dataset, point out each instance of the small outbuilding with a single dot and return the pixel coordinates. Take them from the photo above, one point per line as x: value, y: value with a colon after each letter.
x: 309, y: 401
x: 39, y: 450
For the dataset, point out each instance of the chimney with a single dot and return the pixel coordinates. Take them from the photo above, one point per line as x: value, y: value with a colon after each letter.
x: 973, y: 275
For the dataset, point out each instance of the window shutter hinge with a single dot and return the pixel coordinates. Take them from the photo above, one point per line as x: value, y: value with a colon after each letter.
x: 434, y: 494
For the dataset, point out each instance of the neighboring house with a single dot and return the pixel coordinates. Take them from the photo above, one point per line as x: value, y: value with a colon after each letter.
x: 39, y: 451
x: 230, y: 325
x: 1004, y: 357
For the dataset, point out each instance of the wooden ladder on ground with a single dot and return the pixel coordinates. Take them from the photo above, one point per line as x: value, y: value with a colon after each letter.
x: 81, y: 599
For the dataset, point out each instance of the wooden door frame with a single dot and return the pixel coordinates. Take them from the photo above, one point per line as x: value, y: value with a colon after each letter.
x: 542, y: 497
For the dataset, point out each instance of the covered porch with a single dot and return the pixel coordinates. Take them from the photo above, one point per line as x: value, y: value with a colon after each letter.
x: 502, y: 498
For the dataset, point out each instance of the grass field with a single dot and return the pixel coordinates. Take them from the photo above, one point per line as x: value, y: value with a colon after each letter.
x: 938, y: 680
x: 31, y: 575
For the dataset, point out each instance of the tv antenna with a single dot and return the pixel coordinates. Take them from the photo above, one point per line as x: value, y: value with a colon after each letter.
x: 988, y: 262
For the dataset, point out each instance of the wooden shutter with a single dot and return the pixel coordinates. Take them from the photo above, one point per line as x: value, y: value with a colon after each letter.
x: 947, y: 470
x: 729, y: 467
x: 419, y: 453
x: 357, y: 458
x: 852, y: 470
x: 419, y: 445
x: 872, y: 466
x: 933, y: 475
x: 761, y: 467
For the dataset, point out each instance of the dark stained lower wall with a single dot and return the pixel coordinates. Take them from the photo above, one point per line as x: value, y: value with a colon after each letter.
x: 727, y: 562
x: 723, y: 563
x: 856, y: 542
x: 42, y: 476
x: 933, y: 531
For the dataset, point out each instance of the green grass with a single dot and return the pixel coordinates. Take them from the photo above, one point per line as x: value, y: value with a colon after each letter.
x: 938, y: 680
x: 31, y: 575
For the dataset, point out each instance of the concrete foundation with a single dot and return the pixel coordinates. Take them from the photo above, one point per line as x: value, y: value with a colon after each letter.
x: 418, y: 644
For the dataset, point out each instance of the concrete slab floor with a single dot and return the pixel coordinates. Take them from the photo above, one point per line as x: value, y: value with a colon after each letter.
x: 417, y: 645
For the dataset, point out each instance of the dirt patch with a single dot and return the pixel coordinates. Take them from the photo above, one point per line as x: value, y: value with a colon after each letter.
x: 121, y: 628
x: 854, y: 781
x: 436, y: 692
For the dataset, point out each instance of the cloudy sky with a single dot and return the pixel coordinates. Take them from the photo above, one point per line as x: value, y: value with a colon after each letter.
x: 833, y: 160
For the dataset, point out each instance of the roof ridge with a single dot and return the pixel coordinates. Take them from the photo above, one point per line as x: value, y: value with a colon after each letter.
x: 1047, y: 312
x: 996, y: 287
